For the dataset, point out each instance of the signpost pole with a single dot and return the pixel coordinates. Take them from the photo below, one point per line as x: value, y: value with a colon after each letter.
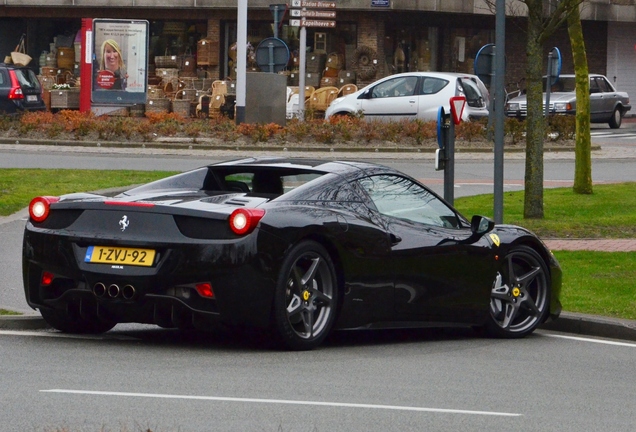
x: 241, y: 60
x: 301, y: 73
x: 449, y: 164
x: 500, y: 72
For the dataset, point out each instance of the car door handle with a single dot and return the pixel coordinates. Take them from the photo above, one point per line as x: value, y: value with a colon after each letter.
x: 395, y: 239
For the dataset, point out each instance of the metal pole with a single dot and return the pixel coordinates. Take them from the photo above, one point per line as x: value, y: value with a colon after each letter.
x: 449, y: 165
x: 548, y: 84
x: 500, y: 72
x: 241, y: 60
x: 301, y: 73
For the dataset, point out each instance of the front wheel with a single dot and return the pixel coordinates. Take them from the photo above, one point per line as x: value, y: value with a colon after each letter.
x: 616, y: 119
x: 70, y: 321
x: 306, y: 297
x: 520, y: 295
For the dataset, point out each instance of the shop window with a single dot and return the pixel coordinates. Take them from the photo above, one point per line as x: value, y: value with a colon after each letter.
x: 466, y: 43
x: 341, y: 40
x: 411, y: 49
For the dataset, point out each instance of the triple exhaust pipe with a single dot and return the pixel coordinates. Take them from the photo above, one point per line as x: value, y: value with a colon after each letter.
x: 128, y: 292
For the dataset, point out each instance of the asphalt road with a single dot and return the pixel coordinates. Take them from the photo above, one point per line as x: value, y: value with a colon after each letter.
x: 358, y: 381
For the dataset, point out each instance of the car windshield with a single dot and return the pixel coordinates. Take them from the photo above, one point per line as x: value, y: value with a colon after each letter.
x: 564, y: 84
x: 474, y: 97
x: 27, y: 79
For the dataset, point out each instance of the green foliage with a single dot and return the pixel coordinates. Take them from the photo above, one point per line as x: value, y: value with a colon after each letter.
x: 599, y: 283
x: 19, y: 186
x: 567, y: 214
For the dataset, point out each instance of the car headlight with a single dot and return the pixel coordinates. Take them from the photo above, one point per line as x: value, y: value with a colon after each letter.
x: 513, y: 107
x: 561, y: 106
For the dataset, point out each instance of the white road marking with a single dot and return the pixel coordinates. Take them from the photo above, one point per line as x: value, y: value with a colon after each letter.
x: 65, y: 335
x: 284, y: 402
x: 599, y: 341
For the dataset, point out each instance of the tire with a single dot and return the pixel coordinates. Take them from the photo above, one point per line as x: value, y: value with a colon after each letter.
x: 520, y: 296
x: 71, y: 322
x: 616, y: 119
x: 306, y: 297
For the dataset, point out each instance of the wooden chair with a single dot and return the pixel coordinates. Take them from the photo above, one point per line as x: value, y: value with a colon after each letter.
x: 322, y: 97
x: 347, y: 89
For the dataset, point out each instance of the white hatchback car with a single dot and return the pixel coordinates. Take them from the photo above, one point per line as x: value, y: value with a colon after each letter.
x: 414, y: 95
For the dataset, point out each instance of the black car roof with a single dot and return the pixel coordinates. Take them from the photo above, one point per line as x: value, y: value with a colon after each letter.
x: 335, y: 167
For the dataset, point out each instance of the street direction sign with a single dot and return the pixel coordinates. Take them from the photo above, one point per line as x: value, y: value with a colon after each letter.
x: 311, y: 13
x: 312, y: 23
x: 313, y: 4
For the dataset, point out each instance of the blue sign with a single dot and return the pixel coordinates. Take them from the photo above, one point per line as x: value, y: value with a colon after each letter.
x: 380, y: 3
x: 440, y: 125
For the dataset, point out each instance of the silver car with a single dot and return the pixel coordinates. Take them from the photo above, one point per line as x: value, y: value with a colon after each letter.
x: 414, y: 95
x: 607, y: 105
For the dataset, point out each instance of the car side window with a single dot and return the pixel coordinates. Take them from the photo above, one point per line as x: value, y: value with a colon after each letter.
x: 399, y: 197
x: 602, y: 85
x: 401, y: 86
x: 594, y: 88
x: 432, y: 85
x: 2, y: 79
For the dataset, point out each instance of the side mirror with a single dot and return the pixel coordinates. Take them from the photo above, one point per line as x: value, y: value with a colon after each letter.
x: 480, y: 225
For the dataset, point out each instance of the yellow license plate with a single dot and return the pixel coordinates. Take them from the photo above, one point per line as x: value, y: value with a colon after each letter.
x: 120, y: 255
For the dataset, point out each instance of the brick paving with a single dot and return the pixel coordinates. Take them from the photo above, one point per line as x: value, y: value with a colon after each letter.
x: 603, y: 245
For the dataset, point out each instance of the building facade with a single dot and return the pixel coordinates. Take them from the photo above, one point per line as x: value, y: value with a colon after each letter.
x: 371, y: 38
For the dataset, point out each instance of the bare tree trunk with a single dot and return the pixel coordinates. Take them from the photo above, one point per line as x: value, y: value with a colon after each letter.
x: 583, y: 149
x: 535, y: 123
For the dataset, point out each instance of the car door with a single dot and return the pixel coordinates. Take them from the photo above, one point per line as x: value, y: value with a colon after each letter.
x: 391, y: 100
x: 440, y: 272
x: 608, y: 97
x: 598, y: 100
x: 6, y: 106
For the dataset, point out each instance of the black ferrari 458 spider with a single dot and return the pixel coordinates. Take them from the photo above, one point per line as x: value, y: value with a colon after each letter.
x: 296, y: 247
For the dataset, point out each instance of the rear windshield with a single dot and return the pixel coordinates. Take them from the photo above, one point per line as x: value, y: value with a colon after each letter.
x: 27, y: 79
x: 253, y: 180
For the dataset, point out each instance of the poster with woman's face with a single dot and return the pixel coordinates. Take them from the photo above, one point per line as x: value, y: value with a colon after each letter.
x: 120, y: 61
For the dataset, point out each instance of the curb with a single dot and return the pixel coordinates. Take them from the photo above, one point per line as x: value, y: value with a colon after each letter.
x: 203, y: 144
x: 592, y: 325
x: 23, y: 322
x: 568, y: 322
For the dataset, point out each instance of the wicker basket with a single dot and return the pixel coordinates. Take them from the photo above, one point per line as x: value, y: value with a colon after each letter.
x: 158, y: 105
x: 167, y: 61
x: 205, y: 56
x: 187, y: 93
x: 66, y: 58
x: 137, y: 110
x: 181, y: 106
x: 155, y: 92
x: 167, y: 73
x: 65, y: 99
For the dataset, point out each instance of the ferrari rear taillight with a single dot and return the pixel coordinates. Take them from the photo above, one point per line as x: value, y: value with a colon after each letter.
x: 40, y: 207
x: 244, y: 220
x: 205, y: 290
x: 47, y: 278
x: 16, y: 91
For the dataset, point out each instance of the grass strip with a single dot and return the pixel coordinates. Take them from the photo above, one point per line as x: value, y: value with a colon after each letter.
x: 19, y: 186
x: 599, y: 283
x: 610, y: 212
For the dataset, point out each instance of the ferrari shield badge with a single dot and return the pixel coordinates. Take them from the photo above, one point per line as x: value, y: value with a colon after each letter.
x: 495, y: 239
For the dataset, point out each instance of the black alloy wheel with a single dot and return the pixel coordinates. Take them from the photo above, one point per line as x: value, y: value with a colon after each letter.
x: 520, y: 296
x: 70, y: 321
x: 306, y: 297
